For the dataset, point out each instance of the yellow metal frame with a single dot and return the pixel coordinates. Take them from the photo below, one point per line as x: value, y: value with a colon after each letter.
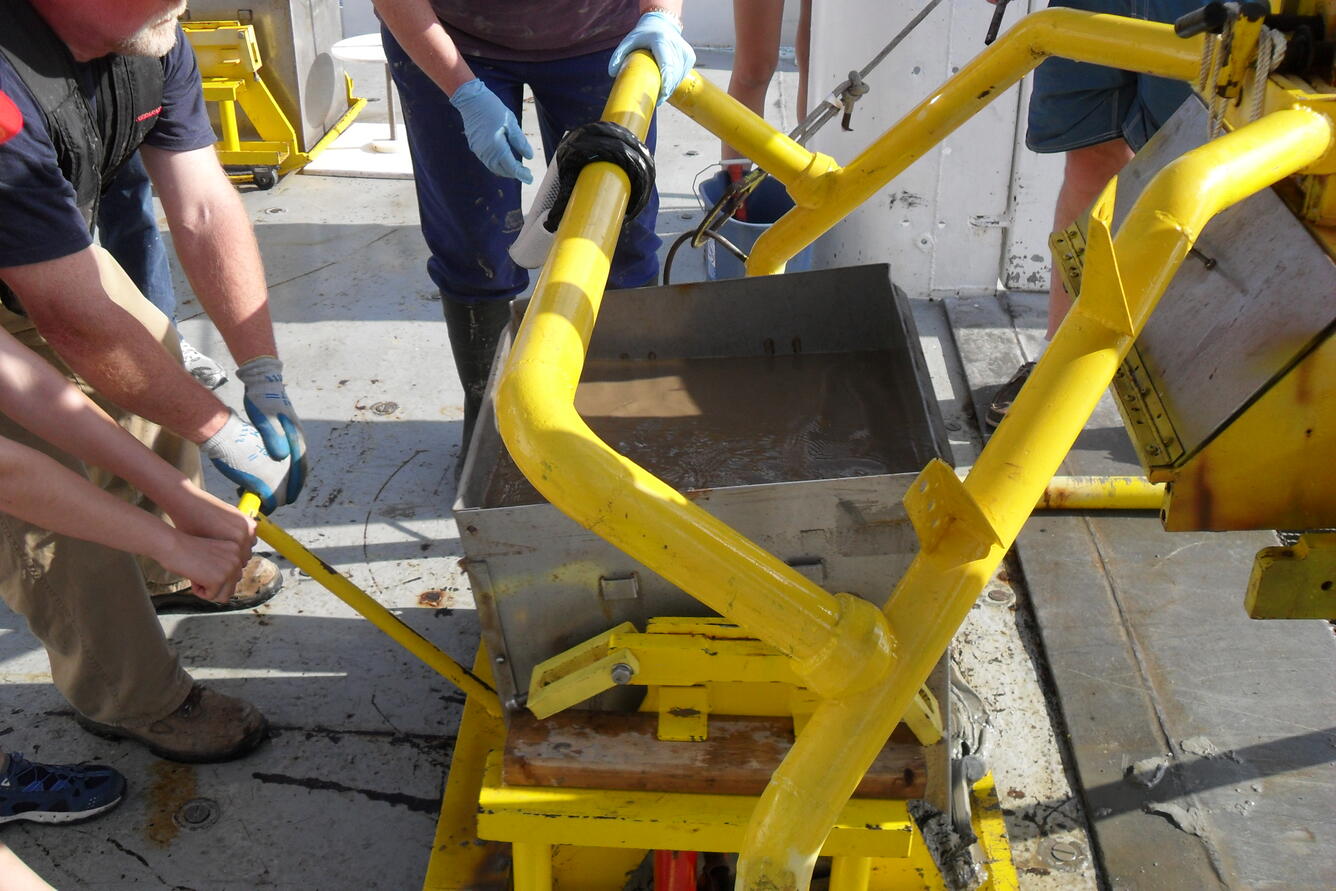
x: 864, y: 665
x: 590, y: 839
x: 867, y: 665
x: 229, y: 61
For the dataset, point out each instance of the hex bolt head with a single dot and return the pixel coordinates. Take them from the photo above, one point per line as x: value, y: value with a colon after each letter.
x: 621, y: 674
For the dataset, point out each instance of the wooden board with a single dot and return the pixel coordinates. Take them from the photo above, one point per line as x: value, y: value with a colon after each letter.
x: 607, y: 750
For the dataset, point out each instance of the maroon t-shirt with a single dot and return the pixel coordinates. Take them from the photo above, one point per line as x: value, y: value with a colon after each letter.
x: 536, y: 30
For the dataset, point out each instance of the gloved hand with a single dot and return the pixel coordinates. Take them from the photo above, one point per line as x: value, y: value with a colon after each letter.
x: 240, y: 455
x: 269, y: 410
x: 661, y: 34
x: 493, y: 133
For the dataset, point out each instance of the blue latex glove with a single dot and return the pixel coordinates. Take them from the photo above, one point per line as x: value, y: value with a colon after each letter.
x: 493, y: 133
x: 659, y: 33
x: 268, y: 408
x: 240, y: 455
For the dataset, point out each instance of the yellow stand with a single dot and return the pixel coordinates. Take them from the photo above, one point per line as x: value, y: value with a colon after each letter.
x: 229, y: 62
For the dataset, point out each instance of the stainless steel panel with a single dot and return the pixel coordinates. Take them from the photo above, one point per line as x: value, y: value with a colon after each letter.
x: 1220, y: 336
x: 295, y: 37
x: 543, y: 584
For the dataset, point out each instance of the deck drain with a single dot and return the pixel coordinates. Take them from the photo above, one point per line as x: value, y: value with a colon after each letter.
x: 197, y: 813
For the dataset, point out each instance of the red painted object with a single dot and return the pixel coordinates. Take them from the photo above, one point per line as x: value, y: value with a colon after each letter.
x: 11, y: 121
x: 675, y: 870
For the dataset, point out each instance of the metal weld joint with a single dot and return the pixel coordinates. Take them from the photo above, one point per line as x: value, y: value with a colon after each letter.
x: 860, y: 653
x: 813, y: 186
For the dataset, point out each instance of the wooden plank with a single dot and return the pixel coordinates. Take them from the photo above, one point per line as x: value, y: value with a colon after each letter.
x: 609, y: 750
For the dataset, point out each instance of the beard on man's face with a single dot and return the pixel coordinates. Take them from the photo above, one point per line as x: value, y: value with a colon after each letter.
x: 154, y: 40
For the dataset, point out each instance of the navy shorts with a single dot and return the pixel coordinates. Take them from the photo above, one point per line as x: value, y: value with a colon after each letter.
x: 1076, y: 104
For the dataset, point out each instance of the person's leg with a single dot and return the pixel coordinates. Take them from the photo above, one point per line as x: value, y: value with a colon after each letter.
x: 1085, y: 174
x: 571, y: 92
x: 469, y: 217
x: 128, y: 228
x: 756, y: 27
x: 802, y: 51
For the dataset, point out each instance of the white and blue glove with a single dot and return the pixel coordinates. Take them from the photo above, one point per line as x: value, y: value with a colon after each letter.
x: 240, y: 455
x: 268, y: 408
x: 492, y: 131
x: 661, y: 34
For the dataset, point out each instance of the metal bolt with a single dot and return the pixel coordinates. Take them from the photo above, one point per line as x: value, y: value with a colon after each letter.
x: 500, y: 660
x: 999, y: 595
x: 1064, y: 851
x: 621, y: 674
x: 1152, y: 449
x: 197, y: 813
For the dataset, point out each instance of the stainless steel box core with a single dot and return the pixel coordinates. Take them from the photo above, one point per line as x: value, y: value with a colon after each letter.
x: 796, y: 408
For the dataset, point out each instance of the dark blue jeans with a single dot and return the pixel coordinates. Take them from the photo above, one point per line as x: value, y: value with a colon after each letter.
x: 469, y: 215
x: 128, y: 229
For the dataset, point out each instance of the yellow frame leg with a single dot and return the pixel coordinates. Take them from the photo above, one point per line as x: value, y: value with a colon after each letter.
x: 850, y: 873
x: 533, y: 866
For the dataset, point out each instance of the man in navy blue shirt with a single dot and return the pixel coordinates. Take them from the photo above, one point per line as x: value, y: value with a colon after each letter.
x: 80, y: 311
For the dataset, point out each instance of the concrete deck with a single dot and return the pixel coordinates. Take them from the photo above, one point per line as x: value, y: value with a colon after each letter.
x: 345, y: 794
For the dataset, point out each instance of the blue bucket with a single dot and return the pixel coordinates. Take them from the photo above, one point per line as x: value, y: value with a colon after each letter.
x: 767, y: 203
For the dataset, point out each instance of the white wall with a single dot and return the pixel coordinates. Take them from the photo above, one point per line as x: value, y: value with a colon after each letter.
x: 707, y: 22
x: 944, y: 224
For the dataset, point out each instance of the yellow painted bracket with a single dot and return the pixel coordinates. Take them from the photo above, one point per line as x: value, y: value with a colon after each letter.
x: 687, y: 663
x: 938, y: 501
x: 1103, y: 299
x: 1297, y: 582
x: 370, y: 609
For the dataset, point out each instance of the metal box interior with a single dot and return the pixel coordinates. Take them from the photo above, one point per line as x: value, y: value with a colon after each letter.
x: 792, y: 407
x: 295, y: 37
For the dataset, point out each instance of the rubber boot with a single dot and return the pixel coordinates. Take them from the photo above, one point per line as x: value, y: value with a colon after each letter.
x: 475, y: 329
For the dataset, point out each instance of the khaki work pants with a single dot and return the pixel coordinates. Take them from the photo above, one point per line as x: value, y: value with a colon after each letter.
x: 89, y: 604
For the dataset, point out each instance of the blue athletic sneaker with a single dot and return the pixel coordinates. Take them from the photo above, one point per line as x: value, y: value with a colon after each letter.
x: 57, y: 793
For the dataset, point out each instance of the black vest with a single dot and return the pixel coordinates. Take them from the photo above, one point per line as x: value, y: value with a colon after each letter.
x: 91, y: 142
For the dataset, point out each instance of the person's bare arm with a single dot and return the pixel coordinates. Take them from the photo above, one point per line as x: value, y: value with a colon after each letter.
x: 72, y: 301
x: 41, y: 400
x: 216, y: 245
x: 44, y: 492
x: 419, y: 32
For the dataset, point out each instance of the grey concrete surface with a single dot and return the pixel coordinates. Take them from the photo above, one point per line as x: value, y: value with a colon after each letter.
x: 345, y: 793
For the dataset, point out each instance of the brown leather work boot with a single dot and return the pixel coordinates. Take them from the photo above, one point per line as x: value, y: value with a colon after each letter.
x: 207, y: 727
x: 260, y: 581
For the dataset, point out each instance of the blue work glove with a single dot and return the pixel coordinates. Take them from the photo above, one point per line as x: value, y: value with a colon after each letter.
x: 240, y: 455
x: 493, y: 133
x: 661, y: 34
x: 269, y: 410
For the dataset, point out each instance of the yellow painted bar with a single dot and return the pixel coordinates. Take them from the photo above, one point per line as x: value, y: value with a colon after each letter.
x: 850, y: 873
x: 370, y: 608
x: 1101, y: 493
x: 620, y: 501
x: 742, y: 128
x: 1130, y: 44
x: 227, y: 122
x: 936, y: 593
x: 533, y: 866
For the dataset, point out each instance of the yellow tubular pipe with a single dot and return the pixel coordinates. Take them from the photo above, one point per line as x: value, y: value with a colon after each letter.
x: 739, y: 126
x: 831, y: 638
x: 819, y: 774
x: 1101, y: 493
x: 370, y: 609
x: 1131, y: 44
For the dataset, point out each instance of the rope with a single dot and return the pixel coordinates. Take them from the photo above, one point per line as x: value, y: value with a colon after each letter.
x: 1271, y: 48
